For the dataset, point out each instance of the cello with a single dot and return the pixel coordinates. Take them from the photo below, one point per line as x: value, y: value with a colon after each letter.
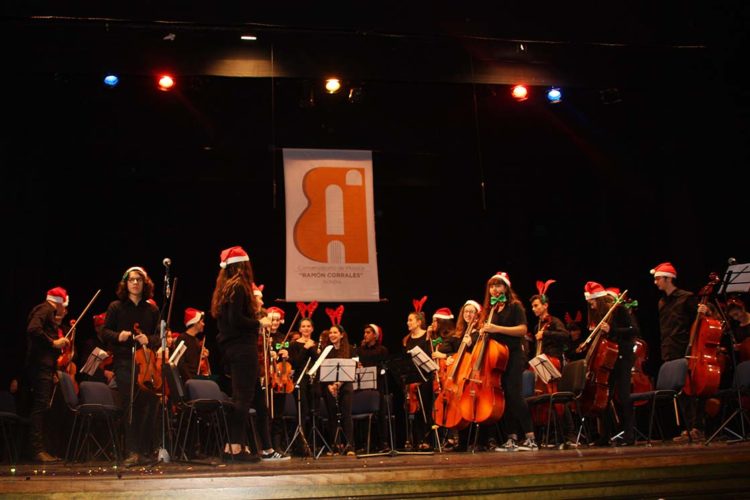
x: 447, y: 408
x: 600, y: 360
x: 539, y: 414
x: 482, y: 398
x: 704, y: 371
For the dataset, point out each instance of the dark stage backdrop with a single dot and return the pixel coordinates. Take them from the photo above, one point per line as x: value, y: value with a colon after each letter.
x: 97, y: 180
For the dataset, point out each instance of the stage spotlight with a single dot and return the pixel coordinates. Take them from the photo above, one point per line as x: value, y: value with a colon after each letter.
x: 333, y: 85
x: 248, y: 38
x: 166, y: 82
x: 520, y: 93
x: 554, y: 95
x: 111, y: 81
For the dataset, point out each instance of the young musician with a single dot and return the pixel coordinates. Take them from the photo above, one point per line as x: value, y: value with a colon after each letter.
x: 677, y: 311
x: 372, y: 352
x: 618, y: 328
x: 280, y: 356
x: 549, y: 330
x: 504, y: 319
x: 338, y: 395
x: 189, y: 363
x: 422, y: 402
x: 737, y: 312
x: 236, y: 309
x: 43, y: 348
x: 126, y: 316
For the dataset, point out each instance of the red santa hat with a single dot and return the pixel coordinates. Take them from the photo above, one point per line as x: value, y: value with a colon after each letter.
x: 99, y: 319
x: 378, y: 331
x: 275, y: 312
x: 134, y: 268
x: 232, y: 255
x: 593, y: 290
x: 502, y: 276
x: 474, y: 304
x: 193, y: 316
x: 58, y: 295
x: 443, y: 313
x: 613, y: 291
x: 258, y: 290
x: 664, y: 269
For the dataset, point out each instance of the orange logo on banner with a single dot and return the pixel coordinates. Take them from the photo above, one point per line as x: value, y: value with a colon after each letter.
x: 333, y: 227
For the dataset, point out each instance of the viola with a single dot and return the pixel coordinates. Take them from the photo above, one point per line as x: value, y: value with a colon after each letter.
x: 204, y: 367
x: 600, y: 360
x: 704, y: 373
x: 447, y: 409
x: 149, y: 367
x: 65, y: 359
x: 483, y: 399
x: 639, y: 381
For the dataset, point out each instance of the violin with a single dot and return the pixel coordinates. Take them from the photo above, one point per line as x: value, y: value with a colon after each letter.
x: 149, y: 366
x: 704, y: 372
x: 65, y: 359
x: 204, y: 367
x: 282, y: 374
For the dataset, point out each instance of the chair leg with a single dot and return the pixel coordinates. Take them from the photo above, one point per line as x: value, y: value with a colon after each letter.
x: 651, y: 420
x: 369, y: 431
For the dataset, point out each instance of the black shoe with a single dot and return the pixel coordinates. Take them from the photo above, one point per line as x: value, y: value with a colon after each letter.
x: 243, y: 456
x: 45, y: 458
x: 132, y: 459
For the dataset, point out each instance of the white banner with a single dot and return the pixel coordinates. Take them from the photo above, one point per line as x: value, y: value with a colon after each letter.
x: 330, y: 226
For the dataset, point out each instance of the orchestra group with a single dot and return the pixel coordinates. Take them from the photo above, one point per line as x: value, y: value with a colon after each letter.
x: 476, y: 393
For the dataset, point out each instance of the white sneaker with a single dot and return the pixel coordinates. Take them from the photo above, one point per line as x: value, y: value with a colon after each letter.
x: 274, y: 456
x: 528, y: 445
x: 510, y: 445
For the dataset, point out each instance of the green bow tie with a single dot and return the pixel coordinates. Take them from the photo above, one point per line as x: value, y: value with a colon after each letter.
x: 279, y: 345
x: 631, y: 304
x: 500, y: 298
x: 437, y: 341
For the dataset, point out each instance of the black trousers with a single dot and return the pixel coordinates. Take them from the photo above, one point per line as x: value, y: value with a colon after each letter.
x: 141, y: 431
x: 242, y: 361
x: 343, y: 405
x: 516, y: 410
x: 41, y: 382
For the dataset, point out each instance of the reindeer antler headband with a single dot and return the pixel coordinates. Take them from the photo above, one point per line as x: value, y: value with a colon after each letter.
x: 335, y: 315
x: 542, y: 287
x: 306, y: 311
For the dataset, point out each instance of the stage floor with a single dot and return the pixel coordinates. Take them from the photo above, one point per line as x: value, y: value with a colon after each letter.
x: 663, y: 471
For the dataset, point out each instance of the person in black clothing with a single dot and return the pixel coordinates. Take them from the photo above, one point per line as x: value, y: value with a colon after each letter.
x: 372, y: 352
x: 236, y: 309
x: 677, y: 311
x: 419, y: 394
x: 280, y: 347
x: 103, y: 372
x: 127, y: 315
x: 549, y: 330
x: 338, y: 395
x: 575, y: 329
x: 738, y: 313
x: 43, y: 349
x: 620, y: 329
x: 504, y: 319
x: 194, y: 351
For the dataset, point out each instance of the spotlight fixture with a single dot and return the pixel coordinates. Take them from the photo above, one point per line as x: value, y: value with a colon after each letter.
x: 520, y: 93
x: 166, y: 82
x: 554, y: 95
x: 111, y: 81
x: 249, y: 38
x: 333, y: 85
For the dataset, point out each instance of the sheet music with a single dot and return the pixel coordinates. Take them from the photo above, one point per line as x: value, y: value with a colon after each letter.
x: 320, y: 359
x: 366, y: 378
x: 544, y: 368
x: 422, y: 360
x: 177, y: 354
x: 93, y: 361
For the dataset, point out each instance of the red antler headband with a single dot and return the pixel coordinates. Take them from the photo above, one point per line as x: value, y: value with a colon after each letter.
x: 418, y: 304
x: 306, y: 311
x: 542, y: 287
x: 335, y: 314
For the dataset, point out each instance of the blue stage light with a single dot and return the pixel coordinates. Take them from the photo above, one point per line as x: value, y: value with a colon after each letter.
x: 111, y: 80
x: 554, y: 95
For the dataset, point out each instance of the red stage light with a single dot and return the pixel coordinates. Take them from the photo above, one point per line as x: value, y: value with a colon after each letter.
x: 520, y: 93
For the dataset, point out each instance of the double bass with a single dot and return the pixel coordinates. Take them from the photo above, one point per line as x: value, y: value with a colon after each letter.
x: 446, y: 411
x: 704, y: 371
x: 600, y: 360
x: 482, y: 398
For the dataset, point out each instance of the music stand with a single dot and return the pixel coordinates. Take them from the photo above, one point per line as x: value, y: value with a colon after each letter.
x: 314, y: 431
x: 544, y: 369
x: 366, y: 378
x: 299, y: 431
x: 426, y: 367
x: 734, y: 281
x: 338, y: 370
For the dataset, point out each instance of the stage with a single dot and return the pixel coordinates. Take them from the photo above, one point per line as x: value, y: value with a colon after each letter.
x: 718, y: 470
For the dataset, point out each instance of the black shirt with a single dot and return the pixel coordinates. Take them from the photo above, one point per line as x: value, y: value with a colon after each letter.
x: 42, y: 331
x: 555, y: 339
x: 372, y: 355
x: 123, y: 315
x: 236, y: 321
x: 676, y: 314
x: 190, y: 359
x: 512, y: 314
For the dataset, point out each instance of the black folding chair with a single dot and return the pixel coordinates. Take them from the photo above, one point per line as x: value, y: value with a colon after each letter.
x: 365, y: 406
x: 736, y: 397
x: 10, y: 423
x: 669, y: 383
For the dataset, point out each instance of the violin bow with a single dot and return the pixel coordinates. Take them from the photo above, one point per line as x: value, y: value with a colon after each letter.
x: 85, y: 310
